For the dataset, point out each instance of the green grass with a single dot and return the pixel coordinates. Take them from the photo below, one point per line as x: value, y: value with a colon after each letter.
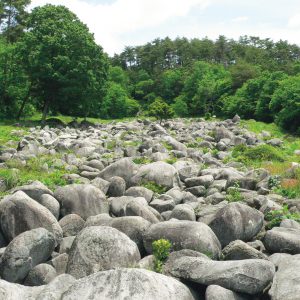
x: 17, y: 174
x: 154, y: 187
x: 142, y: 160
x: 6, y: 133
x: 234, y: 194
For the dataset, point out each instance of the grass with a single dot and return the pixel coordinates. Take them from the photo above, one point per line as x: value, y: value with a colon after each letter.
x: 154, y: 187
x: 7, y: 135
x: 18, y: 174
x: 234, y: 194
x: 277, y: 160
x: 142, y: 160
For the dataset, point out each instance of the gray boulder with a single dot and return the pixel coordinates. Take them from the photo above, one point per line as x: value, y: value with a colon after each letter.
x: 27, y: 250
x: 84, y: 200
x: 71, y: 224
x: 99, y: 248
x: 184, y: 235
x: 117, y: 204
x: 40, y: 275
x: 183, y: 212
x: 243, y: 276
x: 286, y: 281
x: 282, y: 240
x: 117, y: 187
x: 51, y: 203
x: 19, y: 213
x: 215, y: 292
x: 238, y: 250
x: 236, y: 221
x: 160, y: 173
x: 133, y: 284
x: 124, y: 168
x: 140, y: 191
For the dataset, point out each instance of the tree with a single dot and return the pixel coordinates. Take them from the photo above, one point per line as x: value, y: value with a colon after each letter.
x: 180, y: 107
x: 286, y: 104
x: 160, y: 110
x: 63, y: 62
x: 13, y: 17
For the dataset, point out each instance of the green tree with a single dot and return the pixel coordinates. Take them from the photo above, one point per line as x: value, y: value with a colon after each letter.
x: 180, y: 107
x: 160, y: 110
x: 63, y: 62
x: 13, y: 17
x: 285, y: 104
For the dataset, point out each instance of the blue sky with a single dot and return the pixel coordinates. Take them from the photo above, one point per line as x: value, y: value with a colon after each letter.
x: 118, y: 23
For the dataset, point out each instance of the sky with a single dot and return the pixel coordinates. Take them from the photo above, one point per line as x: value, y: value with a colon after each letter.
x: 120, y: 23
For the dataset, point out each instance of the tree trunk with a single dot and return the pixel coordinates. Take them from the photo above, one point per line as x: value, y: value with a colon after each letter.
x: 23, y: 105
x: 45, y: 112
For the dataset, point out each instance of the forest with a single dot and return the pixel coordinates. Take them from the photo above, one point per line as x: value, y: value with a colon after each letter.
x: 50, y: 63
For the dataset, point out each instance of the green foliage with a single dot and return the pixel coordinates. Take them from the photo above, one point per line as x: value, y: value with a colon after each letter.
x: 160, y: 110
x: 154, y: 187
x: 275, y: 217
x: 286, y: 104
x: 258, y: 153
x: 234, y: 194
x: 66, y: 67
x: 161, y: 251
x: 172, y: 160
x: 142, y: 160
x: 180, y: 107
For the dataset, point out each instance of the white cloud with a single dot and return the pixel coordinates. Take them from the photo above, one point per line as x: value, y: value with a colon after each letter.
x: 294, y: 21
x: 240, y: 19
x: 109, y: 21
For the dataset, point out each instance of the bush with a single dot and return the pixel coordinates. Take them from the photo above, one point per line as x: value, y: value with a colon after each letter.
x: 160, y: 110
x: 180, y: 107
x: 276, y: 216
x: 234, y: 194
x: 161, y: 251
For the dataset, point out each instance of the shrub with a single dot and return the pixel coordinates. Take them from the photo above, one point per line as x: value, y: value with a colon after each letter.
x: 160, y: 110
x: 234, y: 194
x: 154, y: 187
x: 161, y: 251
x: 276, y: 216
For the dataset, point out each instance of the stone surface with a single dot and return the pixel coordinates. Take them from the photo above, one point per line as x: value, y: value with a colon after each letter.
x: 99, y: 248
x: 184, y: 235
x: 245, y: 276
x: 84, y: 200
x: 27, y: 250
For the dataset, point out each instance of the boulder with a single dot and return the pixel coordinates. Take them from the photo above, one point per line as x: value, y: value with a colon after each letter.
x: 183, y: 212
x: 238, y: 250
x: 124, y: 168
x: 51, y: 203
x: 140, y: 191
x: 133, y: 284
x: 84, y: 200
x: 250, y: 276
x: 99, y: 248
x: 117, y: 204
x: 117, y: 187
x: 71, y: 224
x: 286, y: 281
x: 184, y: 235
x: 216, y: 292
x: 40, y: 275
x: 236, y: 221
x: 160, y: 173
x: 19, y: 213
x: 282, y: 240
x: 27, y: 250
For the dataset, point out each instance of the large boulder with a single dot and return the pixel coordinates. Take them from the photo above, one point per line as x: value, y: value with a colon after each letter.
x: 117, y: 204
x: 133, y: 227
x: 84, y: 200
x: 34, y: 190
x: 19, y: 213
x: 124, y: 168
x: 184, y: 235
x: 249, y: 276
x: 285, y: 240
x: 27, y: 250
x: 160, y: 173
x: 40, y: 275
x: 71, y: 224
x: 100, y: 248
x: 133, y: 284
x: 236, y: 221
x: 286, y: 283
x: 216, y: 292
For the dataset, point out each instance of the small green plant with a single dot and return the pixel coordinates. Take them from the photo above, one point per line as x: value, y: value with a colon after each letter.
x: 215, y: 152
x: 154, y: 187
x: 234, y: 194
x: 142, y: 160
x: 274, y: 181
x: 167, y: 146
x: 161, y: 251
x: 276, y: 216
x: 172, y: 160
x: 111, y: 145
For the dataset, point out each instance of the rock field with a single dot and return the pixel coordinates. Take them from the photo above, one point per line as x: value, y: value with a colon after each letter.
x: 133, y: 183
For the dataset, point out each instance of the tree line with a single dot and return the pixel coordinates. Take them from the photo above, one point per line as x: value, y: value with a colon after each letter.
x: 49, y: 62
